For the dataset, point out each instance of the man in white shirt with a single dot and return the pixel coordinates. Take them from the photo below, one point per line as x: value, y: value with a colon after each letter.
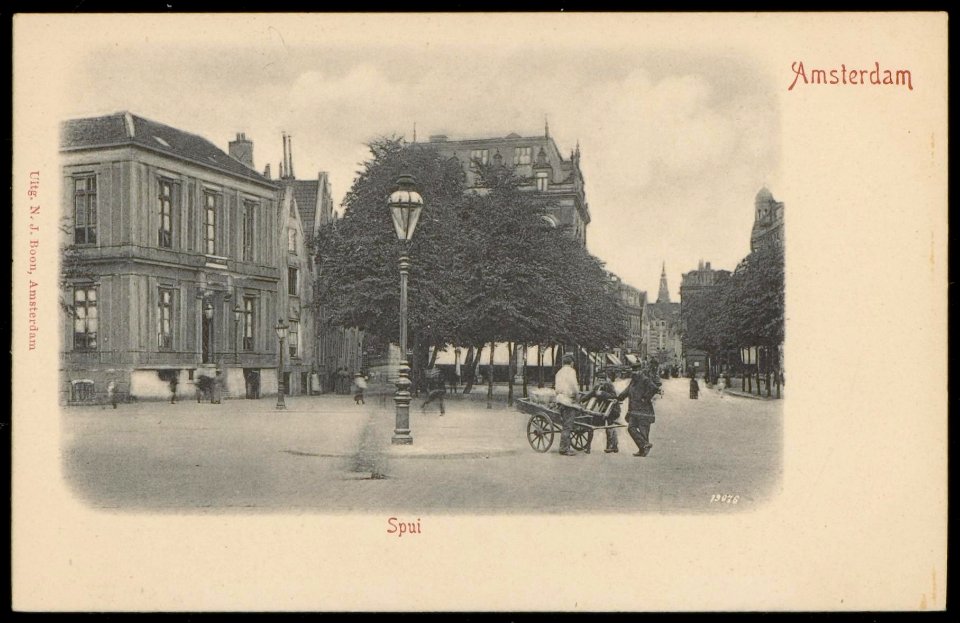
x: 567, y: 388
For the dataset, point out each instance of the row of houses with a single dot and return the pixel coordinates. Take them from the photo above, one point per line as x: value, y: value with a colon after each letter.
x: 181, y: 260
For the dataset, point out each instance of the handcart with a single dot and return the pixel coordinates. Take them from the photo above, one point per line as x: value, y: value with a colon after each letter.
x: 545, y: 422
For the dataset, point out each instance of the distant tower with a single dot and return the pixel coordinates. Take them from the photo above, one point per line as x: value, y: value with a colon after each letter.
x: 663, y: 296
x: 546, y: 127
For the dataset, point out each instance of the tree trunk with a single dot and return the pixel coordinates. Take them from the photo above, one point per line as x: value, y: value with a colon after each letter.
x: 468, y: 368
x: 540, y: 366
x: 553, y: 365
x: 490, y: 378
x: 524, y: 369
x: 511, y: 348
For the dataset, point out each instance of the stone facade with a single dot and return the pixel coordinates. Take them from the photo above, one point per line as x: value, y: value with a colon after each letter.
x: 535, y: 159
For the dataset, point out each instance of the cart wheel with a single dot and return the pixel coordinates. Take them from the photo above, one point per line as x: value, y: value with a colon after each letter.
x: 580, y: 439
x: 540, y: 433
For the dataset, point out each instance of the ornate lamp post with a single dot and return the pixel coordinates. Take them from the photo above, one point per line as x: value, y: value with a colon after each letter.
x: 281, y: 330
x: 405, y: 205
x: 236, y: 332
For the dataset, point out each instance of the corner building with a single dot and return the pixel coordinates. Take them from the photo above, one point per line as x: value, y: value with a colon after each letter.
x: 172, y: 263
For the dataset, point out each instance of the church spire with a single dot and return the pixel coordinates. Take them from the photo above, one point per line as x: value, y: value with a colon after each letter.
x: 664, y: 295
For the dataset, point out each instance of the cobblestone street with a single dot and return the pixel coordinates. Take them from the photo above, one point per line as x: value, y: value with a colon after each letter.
x: 326, y: 454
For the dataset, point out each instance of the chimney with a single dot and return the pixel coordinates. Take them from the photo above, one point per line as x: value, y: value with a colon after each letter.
x: 708, y: 265
x: 266, y: 171
x: 286, y: 168
x: 242, y: 149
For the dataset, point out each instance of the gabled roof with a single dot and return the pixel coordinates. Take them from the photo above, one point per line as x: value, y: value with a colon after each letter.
x: 124, y: 128
x: 305, y: 192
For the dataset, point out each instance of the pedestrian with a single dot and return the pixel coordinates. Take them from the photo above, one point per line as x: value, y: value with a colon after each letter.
x: 694, y: 387
x: 173, y: 388
x: 605, y: 391
x: 567, y: 387
x: 722, y: 385
x: 644, y: 385
x: 359, y: 385
x: 216, y: 388
x: 436, y: 388
x: 112, y: 393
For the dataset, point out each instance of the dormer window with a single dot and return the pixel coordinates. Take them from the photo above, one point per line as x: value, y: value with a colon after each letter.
x: 542, y: 181
x: 522, y: 155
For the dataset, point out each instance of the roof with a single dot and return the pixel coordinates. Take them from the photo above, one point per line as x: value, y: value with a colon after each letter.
x: 305, y: 193
x: 124, y: 128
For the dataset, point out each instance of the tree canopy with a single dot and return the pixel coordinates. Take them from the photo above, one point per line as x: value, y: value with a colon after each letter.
x: 485, y: 265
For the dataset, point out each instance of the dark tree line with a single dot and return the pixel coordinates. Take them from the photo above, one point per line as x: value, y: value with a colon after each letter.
x: 745, y: 310
x: 486, y: 267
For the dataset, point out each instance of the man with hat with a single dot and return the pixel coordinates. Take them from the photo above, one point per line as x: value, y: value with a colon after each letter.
x: 644, y: 385
x: 568, y: 388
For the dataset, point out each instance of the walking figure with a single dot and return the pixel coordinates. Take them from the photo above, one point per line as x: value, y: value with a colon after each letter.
x: 173, y: 389
x: 694, y: 388
x: 722, y: 386
x: 112, y: 393
x: 644, y: 385
x: 436, y: 389
x: 359, y: 384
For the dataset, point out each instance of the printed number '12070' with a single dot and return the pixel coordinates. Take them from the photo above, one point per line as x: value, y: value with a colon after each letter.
x: 725, y: 498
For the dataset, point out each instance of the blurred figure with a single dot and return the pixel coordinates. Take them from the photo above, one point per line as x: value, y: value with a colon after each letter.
x: 436, y: 388
x: 112, y: 393
x: 359, y: 386
x: 694, y: 388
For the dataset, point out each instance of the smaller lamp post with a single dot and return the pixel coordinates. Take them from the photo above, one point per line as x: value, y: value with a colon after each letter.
x: 208, y: 333
x: 405, y: 205
x: 236, y: 332
x: 281, y: 329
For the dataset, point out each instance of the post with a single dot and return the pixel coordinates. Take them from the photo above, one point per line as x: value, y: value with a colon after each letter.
x: 281, y: 405
x: 401, y: 432
x: 236, y: 338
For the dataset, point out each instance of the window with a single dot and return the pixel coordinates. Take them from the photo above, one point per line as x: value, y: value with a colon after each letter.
x: 211, y: 207
x: 248, y: 319
x: 169, y: 195
x: 293, y: 281
x: 481, y: 155
x: 82, y: 391
x: 522, y: 155
x: 85, y: 318
x: 292, y: 240
x: 249, y: 210
x: 542, y: 181
x: 164, y: 318
x: 85, y: 209
x: 293, y: 338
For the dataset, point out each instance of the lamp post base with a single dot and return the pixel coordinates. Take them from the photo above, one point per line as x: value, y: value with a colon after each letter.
x: 401, y: 431
x: 401, y: 438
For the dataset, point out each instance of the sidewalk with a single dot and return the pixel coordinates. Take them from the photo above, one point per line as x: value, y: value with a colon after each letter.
x: 467, y: 430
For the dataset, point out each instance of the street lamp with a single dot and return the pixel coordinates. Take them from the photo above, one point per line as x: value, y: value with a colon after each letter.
x: 208, y: 333
x: 236, y: 332
x: 281, y: 330
x: 405, y: 204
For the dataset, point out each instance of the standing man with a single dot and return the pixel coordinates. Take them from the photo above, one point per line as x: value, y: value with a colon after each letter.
x: 568, y: 388
x: 644, y: 385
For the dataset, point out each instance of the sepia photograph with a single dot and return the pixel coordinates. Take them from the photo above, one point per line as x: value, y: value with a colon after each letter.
x: 514, y: 281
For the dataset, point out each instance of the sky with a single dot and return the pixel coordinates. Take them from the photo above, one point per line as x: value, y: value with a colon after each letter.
x: 675, y: 143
